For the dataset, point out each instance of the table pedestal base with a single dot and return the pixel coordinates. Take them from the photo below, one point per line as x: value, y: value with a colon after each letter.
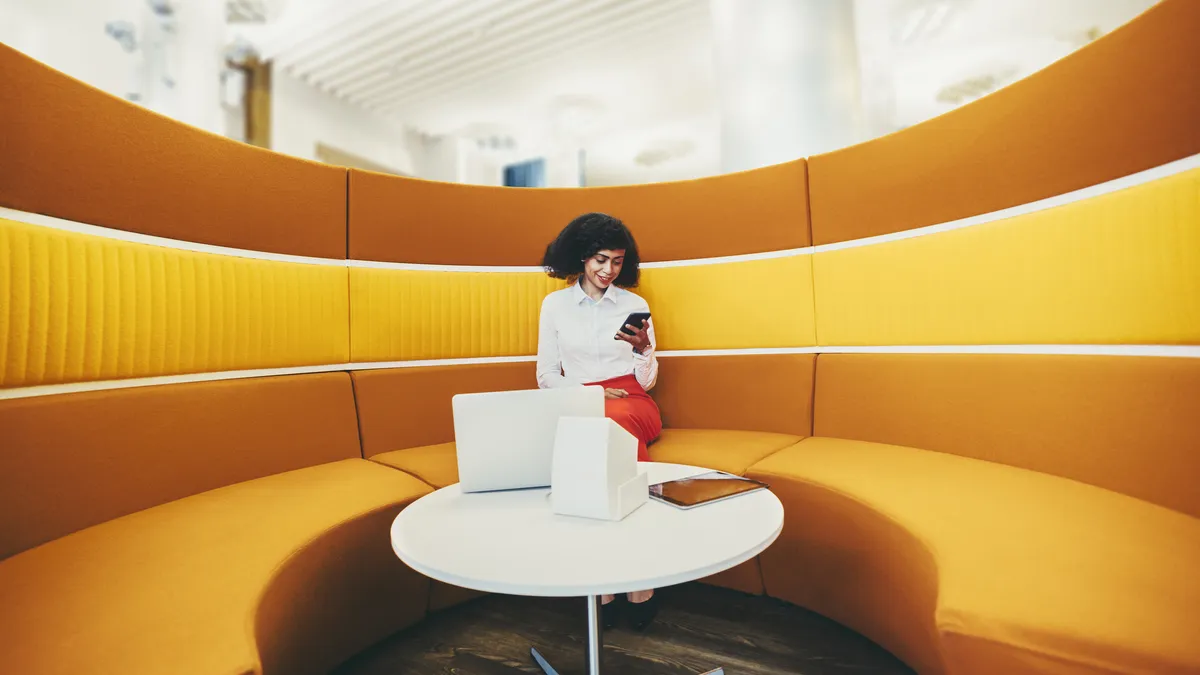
x: 595, y: 643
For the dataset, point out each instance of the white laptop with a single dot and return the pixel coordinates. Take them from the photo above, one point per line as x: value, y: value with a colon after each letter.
x: 505, y: 439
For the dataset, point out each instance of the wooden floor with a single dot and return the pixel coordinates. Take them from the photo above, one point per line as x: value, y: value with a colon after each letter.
x: 698, y: 628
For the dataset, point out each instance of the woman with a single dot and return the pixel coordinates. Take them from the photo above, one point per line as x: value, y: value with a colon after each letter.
x: 580, y: 342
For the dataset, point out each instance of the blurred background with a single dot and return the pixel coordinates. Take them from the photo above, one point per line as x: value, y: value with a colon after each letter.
x: 554, y: 93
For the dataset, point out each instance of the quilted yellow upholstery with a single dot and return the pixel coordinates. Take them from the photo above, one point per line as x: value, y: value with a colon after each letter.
x: 732, y: 305
x: 964, y: 566
x: 77, y: 307
x: 417, y: 314
x: 1117, y: 268
x: 177, y: 588
x: 399, y: 314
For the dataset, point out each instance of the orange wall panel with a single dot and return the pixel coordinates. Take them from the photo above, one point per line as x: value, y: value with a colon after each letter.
x: 75, y: 152
x: 397, y: 219
x: 1128, y: 102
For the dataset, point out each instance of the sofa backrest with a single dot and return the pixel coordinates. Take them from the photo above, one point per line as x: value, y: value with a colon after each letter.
x: 75, y: 460
x: 762, y: 392
x: 1127, y: 424
x: 410, y: 407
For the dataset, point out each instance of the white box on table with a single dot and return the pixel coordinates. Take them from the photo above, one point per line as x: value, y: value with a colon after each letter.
x: 595, y: 471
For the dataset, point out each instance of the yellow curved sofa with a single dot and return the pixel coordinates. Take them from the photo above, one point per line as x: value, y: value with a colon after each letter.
x: 224, y: 371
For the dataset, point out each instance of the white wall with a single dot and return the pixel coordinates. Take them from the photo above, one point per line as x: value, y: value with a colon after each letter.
x: 197, y: 57
x: 440, y: 158
x: 302, y: 116
x: 478, y: 166
x: 70, y: 36
x: 486, y: 167
x: 563, y: 167
x: 788, y: 74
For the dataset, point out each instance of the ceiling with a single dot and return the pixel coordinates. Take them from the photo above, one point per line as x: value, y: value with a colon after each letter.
x: 412, y: 57
x: 622, y: 78
x: 632, y: 81
x: 246, y: 11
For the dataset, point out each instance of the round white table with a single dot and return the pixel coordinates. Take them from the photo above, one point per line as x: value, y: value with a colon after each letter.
x: 511, y: 542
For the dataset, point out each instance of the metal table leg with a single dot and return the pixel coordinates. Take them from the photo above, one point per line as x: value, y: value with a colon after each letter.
x: 546, y: 667
x: 595, y: 643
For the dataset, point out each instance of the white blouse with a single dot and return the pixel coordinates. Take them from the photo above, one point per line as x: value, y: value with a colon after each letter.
x: 575, y: 339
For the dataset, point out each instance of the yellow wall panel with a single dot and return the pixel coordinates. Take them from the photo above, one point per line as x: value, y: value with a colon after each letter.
x: 403, y: 315
x: 78, y: 307
x: 741, y: 305
x: 1123, y: 267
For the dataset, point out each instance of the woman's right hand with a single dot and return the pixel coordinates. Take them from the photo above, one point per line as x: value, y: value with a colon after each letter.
x: 615, y: 393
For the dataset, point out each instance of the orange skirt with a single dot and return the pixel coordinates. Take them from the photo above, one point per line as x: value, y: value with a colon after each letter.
x: 637, y: 413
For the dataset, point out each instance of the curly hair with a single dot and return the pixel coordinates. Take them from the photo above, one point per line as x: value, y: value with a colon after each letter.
x: 582, y: 238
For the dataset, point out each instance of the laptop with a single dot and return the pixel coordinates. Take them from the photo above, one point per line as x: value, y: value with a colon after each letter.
x: 505, y: 439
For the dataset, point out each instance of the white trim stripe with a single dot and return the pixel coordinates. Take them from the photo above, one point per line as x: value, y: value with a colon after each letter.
x: 429, y: 267
x: 163, y: 242
x: 1131, y: 180
x: 471, y: 361
x: 1115, y: 185
x: 1169, y: 351
x: 104, y: 385
x: 726, y: 259
x: 1172, y: 351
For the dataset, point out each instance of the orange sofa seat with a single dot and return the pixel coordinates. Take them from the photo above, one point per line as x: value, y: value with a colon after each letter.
x: 958, y: 565
x: 206, y: 527
x: 720, y: 449
x: 287, y: 573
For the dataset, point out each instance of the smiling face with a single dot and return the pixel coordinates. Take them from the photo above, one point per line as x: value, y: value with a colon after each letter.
x: 603, y: 268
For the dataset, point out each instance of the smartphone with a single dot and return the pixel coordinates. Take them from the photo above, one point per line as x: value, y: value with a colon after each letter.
x: 634, y: 319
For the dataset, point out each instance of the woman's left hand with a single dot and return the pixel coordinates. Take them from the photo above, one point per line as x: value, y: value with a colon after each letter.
x: 640, y: 338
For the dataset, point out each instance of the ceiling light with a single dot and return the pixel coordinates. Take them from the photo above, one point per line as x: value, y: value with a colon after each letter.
x: 976, y: 86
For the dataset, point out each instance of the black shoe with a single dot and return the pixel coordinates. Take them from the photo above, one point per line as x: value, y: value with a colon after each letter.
x: 642, y: 613
x: 610, y: 613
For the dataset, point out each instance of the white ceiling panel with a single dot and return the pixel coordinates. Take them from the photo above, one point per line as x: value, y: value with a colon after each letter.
x: 633, y: 81
x: 402, y: 57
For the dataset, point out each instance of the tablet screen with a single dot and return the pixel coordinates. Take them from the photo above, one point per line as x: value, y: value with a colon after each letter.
x: 704, y: 488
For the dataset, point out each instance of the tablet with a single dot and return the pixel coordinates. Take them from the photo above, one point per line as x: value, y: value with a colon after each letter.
x: 705, y: 488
